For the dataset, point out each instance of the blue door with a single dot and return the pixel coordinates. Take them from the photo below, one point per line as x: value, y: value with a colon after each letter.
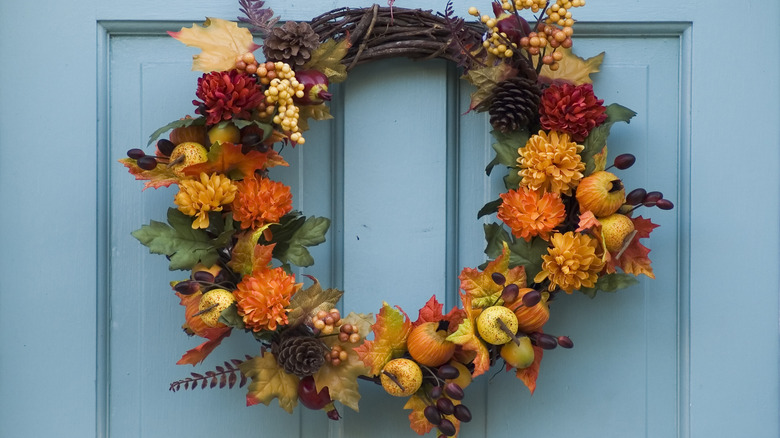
x: 92, y: 331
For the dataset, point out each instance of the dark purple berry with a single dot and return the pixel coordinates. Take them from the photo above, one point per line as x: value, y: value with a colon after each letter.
x: 462, y: 413
x: 445, y: 406
x: 565, y: 342
x: 664, y: 204
x: 203, y: 277
x: 186, y: 287
x: 453, y: 391
x: 636, y: 196
x: 498, y: 278
x: 446, y: 427
x: 510, y: 292
x: 147, y: 162
x: 652, y: 198
x: 532, y: 298
x: 432, y: 415
x: 448, y: 372
x: 135, y: 153
x: 624, y: 161
x: 545, y: 341
x: 165, y: 147
x: 436, y: 392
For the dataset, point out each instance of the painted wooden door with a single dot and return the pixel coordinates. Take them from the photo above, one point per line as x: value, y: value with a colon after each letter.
x: 91, y: 330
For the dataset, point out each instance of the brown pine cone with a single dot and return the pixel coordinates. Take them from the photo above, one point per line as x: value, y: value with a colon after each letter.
x: 299, y: 355
x: 292, y: 43
x: 515, y: 104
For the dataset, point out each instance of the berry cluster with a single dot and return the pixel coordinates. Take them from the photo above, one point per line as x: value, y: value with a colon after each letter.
x: 326, y: 323
x: 283, y: 87
x: 445, y: 397
x: 247, y: 63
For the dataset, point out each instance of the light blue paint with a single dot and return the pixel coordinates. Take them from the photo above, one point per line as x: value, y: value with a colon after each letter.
x: 693, y: 353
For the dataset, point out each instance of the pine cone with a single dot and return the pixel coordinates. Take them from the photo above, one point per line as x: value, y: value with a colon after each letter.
x: 515, y: 104
x: 299, y: 355
x: 292, y: 43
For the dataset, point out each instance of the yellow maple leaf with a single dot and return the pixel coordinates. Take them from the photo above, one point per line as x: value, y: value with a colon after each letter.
x: 327, y: 59
x: 466, y: 337
x: 572, y: 68
x: 220, y: 41
x: 269, y: 381
x: 341, y: 379
x: 600, y: 160
x: 391, y: 329
x: 480, y: 285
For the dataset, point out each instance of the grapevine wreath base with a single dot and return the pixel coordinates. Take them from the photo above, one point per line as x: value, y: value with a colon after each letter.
x: 565, y: 223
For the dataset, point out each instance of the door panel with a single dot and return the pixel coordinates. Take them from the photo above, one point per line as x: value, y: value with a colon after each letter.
x: 400, y: 172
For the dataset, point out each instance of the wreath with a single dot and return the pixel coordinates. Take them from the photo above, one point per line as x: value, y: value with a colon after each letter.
x: 566, y: 222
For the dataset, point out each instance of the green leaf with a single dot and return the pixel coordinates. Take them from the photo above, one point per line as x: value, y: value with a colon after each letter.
x: 512, y: 179
x: 312, y: 232
x: 597, y: 138
x: 294, y: 234
x: 528, y: 254
x: 521, y: 253
x: 610, y: 283
x: 495, y: 235
x: 507, y: 144
x: 491, y: 165
x: 184, y: 246
x: 231, y: 318
x: 489, y: 208
x: 267, y: 129
x: 176, y: 124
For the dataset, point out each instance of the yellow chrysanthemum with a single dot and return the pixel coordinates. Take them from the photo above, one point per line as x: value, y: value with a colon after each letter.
x: 529, y: 213
x: 571, y: 262
x: 198, y: 198
x: 551, y: 162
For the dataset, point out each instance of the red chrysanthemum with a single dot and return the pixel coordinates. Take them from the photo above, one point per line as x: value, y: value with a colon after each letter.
x: 227, y: 94
x: 260, y: 201
x: 571, y: 109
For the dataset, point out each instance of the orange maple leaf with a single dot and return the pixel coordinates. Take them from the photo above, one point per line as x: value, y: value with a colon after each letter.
x: 431, y: 312
x: 634, y: 259
x: 391, y: 329
x: 588, y: 221
x: 199, y: 353
x: 466, y: 337
x: 160, y: 176
x: 227, y: 158
x: 480, y: 285
x: 529, y: 375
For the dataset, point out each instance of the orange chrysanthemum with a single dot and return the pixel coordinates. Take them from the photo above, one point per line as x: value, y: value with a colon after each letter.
x: 263, y: 297
x: 551, y: 162
x: 260, y: 202
x: 530, y: 213
x: 199, y: 197
x: 571, y: 263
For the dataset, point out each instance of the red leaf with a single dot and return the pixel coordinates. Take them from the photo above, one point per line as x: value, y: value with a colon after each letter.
x: 634, y: 259
x: 228, y: 159
x: 199, y: 353
x: 529, y: 375
x: 431, y: 312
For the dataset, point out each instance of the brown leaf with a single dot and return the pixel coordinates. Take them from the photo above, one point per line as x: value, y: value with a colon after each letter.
x: 327, y: 59
x: 311, y: 300
x: 486, y: 79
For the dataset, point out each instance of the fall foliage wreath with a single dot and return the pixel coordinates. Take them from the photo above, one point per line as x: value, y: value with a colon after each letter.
x: 566, y: 221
